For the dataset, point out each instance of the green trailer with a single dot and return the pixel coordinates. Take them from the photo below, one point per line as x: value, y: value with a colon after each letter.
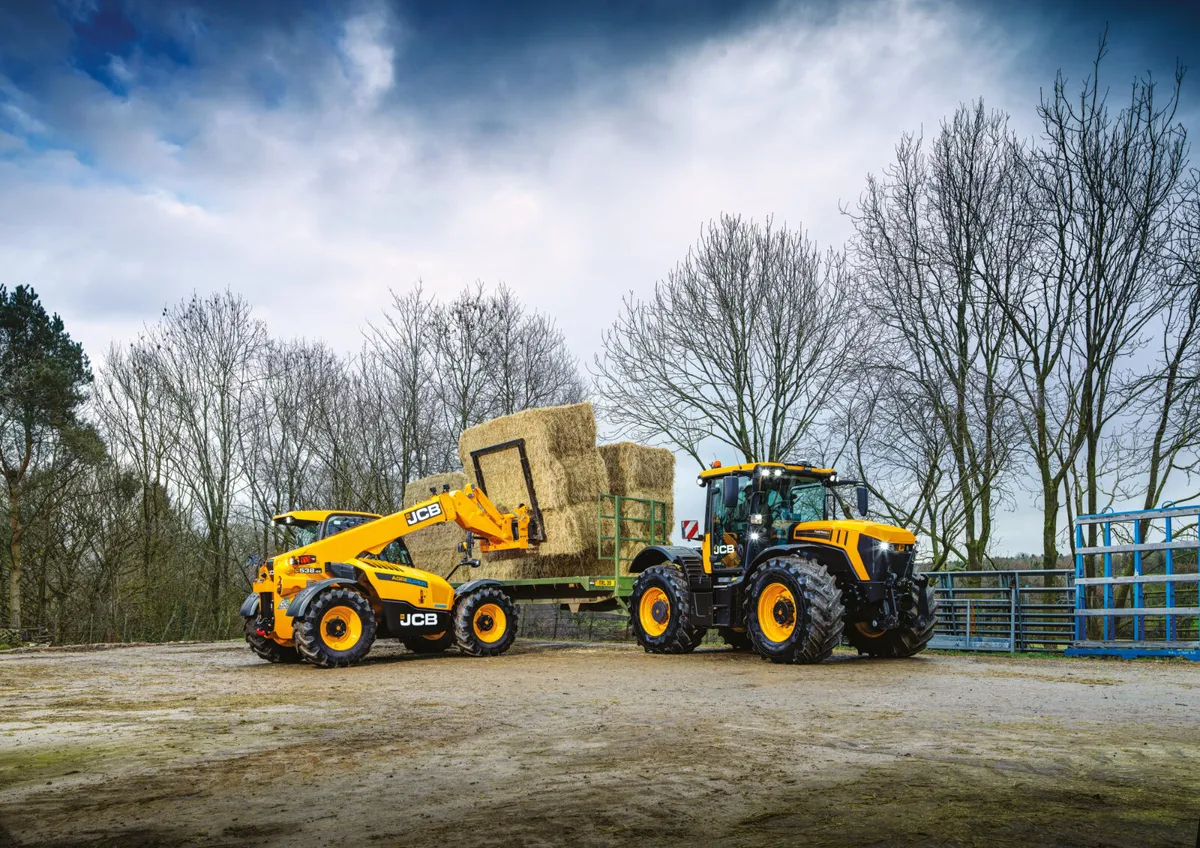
x: 621, y: 522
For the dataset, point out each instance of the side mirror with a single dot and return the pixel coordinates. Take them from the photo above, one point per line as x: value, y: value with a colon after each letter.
x: 729, y: 492
x: 468, y: 544
x: 864, y: 499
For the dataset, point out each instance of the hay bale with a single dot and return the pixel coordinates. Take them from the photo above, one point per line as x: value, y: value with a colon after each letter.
x: 568, y: 472
x: 435, y: 549
x: 646, y: 473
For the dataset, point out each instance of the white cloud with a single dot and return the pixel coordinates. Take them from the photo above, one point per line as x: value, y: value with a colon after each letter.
x: 314, y: 208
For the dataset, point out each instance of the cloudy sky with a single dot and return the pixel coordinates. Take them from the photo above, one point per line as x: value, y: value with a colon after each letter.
x: 312, y: 156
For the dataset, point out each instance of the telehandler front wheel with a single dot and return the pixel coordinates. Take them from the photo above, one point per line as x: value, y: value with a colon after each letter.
x: 898, y: 643
x: 660, y: 612
x: 485, y: 622
x: 268, y: 649
x: 337, y: 630
x: 794, y: 611
x: 432, y: 644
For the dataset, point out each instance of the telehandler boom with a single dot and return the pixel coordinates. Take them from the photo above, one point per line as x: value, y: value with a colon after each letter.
x: 352, y: 580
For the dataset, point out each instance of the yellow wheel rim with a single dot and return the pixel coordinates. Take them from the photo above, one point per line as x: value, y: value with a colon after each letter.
x: 341, y: 628
x: 866, y: 630
x: 433, y: 637
x: 490, y: 623
x: 654, y: 611
x: 777, y: 612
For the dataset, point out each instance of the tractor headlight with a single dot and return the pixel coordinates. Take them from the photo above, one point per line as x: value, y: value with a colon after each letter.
x: 885, y: 546
x: 753, y: 537
x: 756, y: 519
x: 778, y: 472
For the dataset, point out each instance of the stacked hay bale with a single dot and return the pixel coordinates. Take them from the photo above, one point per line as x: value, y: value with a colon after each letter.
x: 435, y: 548
x: 568, y: 473
x: 638, y: 471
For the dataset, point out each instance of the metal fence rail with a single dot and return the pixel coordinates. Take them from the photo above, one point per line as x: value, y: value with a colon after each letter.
x: 1151, y: 608
x: 1004, y: 610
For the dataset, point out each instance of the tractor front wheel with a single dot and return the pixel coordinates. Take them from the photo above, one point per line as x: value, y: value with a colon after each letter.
x: 660, y: 612
x: 267, y: 648
x: 898, y: 643
x: 337, y: 630
x: 794, y: 611
x: 485, y: 622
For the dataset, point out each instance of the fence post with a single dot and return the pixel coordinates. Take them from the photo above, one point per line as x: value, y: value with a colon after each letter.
x: 1110, y: 621
x: 1012, y: 616
x: 1139, y: 622
x: 1080, y: 591
x: 1170, y: 594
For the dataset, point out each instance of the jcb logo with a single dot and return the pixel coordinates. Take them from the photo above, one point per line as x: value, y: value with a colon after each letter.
x: 418, y: 619
x: 423, y: 514
x: 723, y: 550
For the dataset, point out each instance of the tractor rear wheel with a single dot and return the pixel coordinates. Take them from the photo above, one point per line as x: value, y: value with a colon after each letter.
x: 432, y: 644
x: 794, y: 611
x: 337, y: 630
x: 898, y: 643
x: 267, y: 648
x: 661, y: 610
x: 485, y: 622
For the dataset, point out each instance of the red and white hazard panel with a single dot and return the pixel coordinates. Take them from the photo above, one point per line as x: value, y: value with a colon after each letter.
x: 691, y: 530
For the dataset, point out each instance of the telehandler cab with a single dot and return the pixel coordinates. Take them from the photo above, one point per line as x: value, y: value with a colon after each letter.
x: 780, y: 572
x: 351, y: 579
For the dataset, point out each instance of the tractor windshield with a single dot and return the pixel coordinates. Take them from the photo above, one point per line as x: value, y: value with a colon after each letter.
x: 783, y: 501
x: 297, y: 534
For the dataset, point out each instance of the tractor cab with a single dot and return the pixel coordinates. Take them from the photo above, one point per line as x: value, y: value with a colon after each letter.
x: 756, y: 506
x: 305, y: 526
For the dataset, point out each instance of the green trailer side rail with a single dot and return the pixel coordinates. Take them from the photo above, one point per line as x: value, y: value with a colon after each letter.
x: 619, y: 521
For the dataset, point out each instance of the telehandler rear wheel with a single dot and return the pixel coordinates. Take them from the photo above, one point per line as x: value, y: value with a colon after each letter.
x: 485, y: 622
x: 337, y: 630
x: 660, y: 612
x: 898, y: 643
x: 267, y: 648
x: 432, y: 644
x: 794, y: 611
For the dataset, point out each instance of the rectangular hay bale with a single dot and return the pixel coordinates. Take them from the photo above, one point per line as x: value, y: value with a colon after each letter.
x: 640, y: 471
x: 435, y: 549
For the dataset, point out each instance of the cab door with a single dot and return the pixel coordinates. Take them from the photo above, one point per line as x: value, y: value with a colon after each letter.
x: 728, y: 523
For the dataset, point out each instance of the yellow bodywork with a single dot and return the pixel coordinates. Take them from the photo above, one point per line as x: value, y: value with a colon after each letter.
x: 287, y: 574
x: 844, y: 533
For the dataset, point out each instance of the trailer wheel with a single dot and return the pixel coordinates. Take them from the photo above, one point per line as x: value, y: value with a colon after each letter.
x: 268, y: 649
x: 738, y: 640
x: 432, y: 644
x: 337, y: 630
x: 898, y: 643
x: 485, y: 622
x: 660, y: 612
x: 794, y: 611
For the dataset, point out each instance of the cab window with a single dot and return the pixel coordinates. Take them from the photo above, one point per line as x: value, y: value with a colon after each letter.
x: 396, y: 553
x: 335, y: 524
x: 728, y: 525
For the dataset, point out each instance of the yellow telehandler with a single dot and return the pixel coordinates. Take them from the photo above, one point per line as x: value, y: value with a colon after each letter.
x: 351, y: 580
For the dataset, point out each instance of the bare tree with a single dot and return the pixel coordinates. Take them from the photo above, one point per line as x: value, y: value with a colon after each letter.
x: 933, y: 237
x: 743, y: 342
x: 1106, y: 188
x: 208, y: 350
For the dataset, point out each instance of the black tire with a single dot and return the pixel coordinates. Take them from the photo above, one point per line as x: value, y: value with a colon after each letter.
x: 268, y: 649
x: 665, y: 626
x: 485, y: 622
x: 332, y: 617
x: 805, y: 623
x: 894, y: 644
x: 430, y: 644
x: 738, y: 640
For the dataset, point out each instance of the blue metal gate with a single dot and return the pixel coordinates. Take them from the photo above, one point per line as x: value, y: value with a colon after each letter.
x: 1011, y: 611
x: 1150, y: 608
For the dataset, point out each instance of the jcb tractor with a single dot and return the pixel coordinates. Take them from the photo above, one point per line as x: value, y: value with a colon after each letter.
x: 350, y: 580
x: 781, y: 573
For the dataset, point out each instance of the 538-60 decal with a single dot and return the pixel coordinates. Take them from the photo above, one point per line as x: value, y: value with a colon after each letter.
x: 423, y: 513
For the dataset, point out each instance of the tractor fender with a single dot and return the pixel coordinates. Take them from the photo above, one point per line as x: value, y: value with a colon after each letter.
x: 472, y: 585
x: 250, y: 606
x: 298, y: 606
x: 658, y: 554
x: 830, y: 556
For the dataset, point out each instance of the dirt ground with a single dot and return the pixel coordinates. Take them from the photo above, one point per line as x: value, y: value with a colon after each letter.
x: 593, y: 745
